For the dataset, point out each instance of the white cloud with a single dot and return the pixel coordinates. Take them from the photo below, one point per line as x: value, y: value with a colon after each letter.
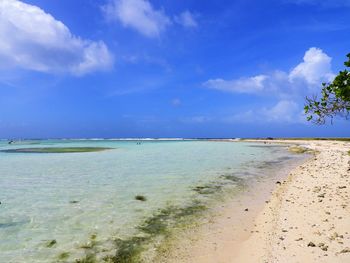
x: 139, y: 15
x: 186, y: 19
x: 284, y: 111
x: 242, y: 85
x: 34, y: 40
x: 325, y: 3
x: 315, y: 69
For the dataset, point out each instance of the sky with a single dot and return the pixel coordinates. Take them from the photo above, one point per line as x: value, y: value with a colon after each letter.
x: 151, y: 68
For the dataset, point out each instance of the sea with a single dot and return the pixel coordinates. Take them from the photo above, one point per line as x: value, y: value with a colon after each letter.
x: 66, y: 207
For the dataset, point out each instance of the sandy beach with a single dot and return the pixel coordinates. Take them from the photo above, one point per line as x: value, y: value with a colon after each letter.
x: 302, y: 217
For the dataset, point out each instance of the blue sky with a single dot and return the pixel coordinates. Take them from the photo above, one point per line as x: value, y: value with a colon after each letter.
x: 149, y: 68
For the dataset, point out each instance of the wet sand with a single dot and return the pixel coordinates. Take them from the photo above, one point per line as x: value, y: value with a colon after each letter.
x: 304, y: 217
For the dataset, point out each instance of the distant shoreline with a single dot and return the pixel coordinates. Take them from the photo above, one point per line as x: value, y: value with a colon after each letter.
x: 269, y: 139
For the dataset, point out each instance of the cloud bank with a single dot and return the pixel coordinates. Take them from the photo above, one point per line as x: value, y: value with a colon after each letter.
x: 286, y: 87
x: 143, y: 17
x: 34, y: 40
x: 139, y: 15
x: 284, y: 111
x: 315, y: 69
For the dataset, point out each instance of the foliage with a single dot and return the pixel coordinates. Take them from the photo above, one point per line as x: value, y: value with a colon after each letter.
x: 335, y: 100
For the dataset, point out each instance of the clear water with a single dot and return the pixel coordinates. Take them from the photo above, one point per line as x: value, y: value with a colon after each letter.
x: 37, y: 190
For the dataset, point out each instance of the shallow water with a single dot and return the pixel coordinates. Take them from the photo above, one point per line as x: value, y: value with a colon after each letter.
x: 67, y: 197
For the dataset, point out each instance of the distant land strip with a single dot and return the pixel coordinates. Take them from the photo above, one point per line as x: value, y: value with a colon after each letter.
x: 57, y: 150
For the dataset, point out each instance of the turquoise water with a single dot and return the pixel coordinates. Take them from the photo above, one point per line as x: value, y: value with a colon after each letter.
x: 67, y: 197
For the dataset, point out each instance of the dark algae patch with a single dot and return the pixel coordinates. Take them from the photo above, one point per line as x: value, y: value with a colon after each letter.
x: 51, y: 243
x: 63, y: 256
x: 232, y: 178
x: 207, y: 189
x: 141, y: 198
x: 218, y: 186
x: 129, y: 250
x: 57, y: 150
x: 154, y: 232
x: 157, y: 227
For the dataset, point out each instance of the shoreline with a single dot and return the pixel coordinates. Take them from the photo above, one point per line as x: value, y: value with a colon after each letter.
x: 307, y: 219
x: 218, y: 236
x: 291, y: 225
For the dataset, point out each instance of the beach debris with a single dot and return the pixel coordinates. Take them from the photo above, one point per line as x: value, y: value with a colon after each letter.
x: 141, y: 198
x: 278, y: 182
x: 51, y: 243
x: 317, y: 189
x: 335, y: 235
x: 342, y: 187
x: 345, y: 250
x: 321, y: 195
x: 299, y: 239
x: 311, y: 244
x: 246, y: 209
x: 73, y: 202
x: 323, y: 246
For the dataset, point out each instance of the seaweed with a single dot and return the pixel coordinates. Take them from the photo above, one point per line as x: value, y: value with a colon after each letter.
x: 299, y: 149
x: 51, y: 243
x: 130, y: 250
x: 90, y: 258
x: 193, y: 209
x: 232, y: 178
x: 141, y: 198
x: 216, y: 187
x: 207, y: 189
x: 63, y: 256
x: 88, y: 245
x: 158, y: 225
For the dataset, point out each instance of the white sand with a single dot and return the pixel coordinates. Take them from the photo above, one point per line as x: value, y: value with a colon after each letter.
x: 306, y: 218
